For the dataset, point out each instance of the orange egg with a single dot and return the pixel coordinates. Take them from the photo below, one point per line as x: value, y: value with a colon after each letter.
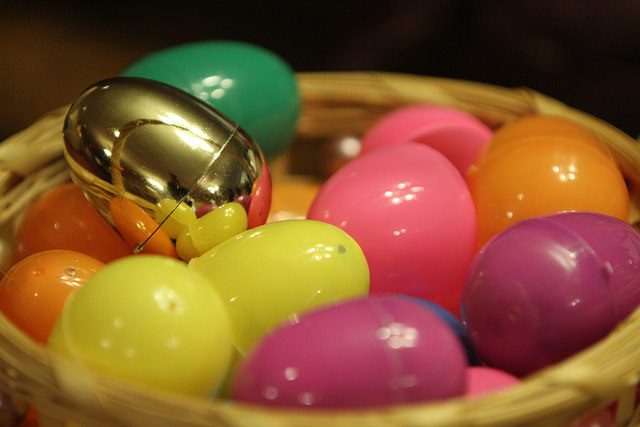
x: 544, y: 174
x: 62, y: 218
x: 136, y: 226
x: 291, y: 197
x: 539, y: 125
x: 34, y: 290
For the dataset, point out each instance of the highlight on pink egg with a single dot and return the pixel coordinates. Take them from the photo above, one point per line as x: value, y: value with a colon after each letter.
x: 411, y: 213
x: 483, y: 379
x: 455, y: 133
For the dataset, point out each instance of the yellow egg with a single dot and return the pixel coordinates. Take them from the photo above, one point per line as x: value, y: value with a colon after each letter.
x: 211, y: 229
x: 151, y: 320
x: 274, y: 272
x: 178, y: 219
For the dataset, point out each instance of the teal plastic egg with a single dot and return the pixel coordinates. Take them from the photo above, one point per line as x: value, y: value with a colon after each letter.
x: 251, y: 85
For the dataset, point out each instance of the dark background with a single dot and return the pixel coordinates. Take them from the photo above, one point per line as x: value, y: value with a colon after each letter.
x: 583, y: 52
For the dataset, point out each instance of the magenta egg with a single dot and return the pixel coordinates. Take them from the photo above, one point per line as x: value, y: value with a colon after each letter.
x: 456, y: 134
x: 535, y: 294
x: 617, y: 244
x: 359, y: 353
x: 410, y: 211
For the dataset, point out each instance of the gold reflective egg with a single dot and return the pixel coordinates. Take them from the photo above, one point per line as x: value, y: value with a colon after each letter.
x: 148, y: 141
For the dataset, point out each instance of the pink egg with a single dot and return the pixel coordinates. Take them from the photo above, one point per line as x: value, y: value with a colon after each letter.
x: 410, y: 211
x: 456, y: 134
x: 360, y: 353
x: 603, y: 418
x: 483, y: 379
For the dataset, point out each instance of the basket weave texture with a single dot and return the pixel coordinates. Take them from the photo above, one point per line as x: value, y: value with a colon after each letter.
x: 334, y: 104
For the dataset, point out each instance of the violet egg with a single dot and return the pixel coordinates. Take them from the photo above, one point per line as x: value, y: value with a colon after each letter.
x: 617, y: 244
x: 535, y: 294
x: 359, y: 353
x: 410, y: 211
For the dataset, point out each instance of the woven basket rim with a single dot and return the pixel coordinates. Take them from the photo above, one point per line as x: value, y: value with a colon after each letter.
x: 335, y: 103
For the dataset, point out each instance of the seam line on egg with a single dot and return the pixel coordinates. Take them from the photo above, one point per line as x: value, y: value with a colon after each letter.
x: 216, y: 156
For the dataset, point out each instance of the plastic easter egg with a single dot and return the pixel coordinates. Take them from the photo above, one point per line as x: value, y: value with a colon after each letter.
x: 410, y: 211
x: 151, y: 320
x: 259, y: 203
x: 173, y: 216
x: 542, y: 175
x: 62, y: 218
x: 456, y: 134
x: 146, y: 141
x: 270, y: 273
x: 211, y: 229
x: 139, y: 229
x: 617, y: 245
x: 484, y: 379
x: 34, y: 290
x: 252, y: 85
x: 541, y: 125
x: 361, y: 353
x: 454, y: 323
x: 535, y: 294
x: 32, y: 418
x: 603, y: 418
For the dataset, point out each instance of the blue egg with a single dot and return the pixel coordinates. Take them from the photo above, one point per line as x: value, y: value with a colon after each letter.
x: 453, y: 323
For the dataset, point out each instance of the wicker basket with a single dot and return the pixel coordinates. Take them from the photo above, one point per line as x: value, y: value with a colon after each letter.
x: 334, y: 104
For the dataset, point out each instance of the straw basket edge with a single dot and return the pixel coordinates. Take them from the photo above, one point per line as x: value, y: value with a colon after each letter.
x: 333, y: 104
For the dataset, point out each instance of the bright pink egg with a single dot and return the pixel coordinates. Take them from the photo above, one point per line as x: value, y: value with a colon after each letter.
x: 483, y: 379
x: 359, y: 353
x: 454, y: 133
x: 409, y: 209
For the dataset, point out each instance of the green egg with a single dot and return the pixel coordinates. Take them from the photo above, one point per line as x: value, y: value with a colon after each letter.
x: 251, y: 85
x: 272, y: 273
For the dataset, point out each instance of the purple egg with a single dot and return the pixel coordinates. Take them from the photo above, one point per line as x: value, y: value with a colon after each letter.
x: 617, y: 244
x: 360, y: 353
x: 535, y: 294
